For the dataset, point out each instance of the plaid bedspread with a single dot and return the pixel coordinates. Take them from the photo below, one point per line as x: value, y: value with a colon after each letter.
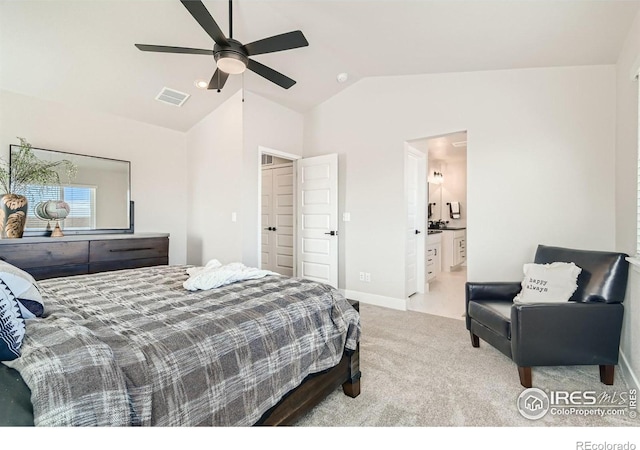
x: 133, y: 347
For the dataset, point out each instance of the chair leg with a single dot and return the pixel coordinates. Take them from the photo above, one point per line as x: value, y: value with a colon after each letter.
x: 525, y: 376
x: 607, y: 374
x: 475, y: 340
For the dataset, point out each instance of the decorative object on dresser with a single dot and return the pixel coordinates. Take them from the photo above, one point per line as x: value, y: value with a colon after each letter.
x: 43, y: 257
x: 52, y: 210
x: 23, y: 173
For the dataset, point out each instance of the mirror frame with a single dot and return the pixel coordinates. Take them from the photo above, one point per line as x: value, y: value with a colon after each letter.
x: 130, y: 230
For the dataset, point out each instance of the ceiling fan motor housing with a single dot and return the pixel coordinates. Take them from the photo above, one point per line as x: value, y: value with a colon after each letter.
x: 234, y: 50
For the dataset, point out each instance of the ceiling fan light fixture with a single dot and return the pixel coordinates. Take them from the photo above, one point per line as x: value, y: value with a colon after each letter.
x: 231, y: 62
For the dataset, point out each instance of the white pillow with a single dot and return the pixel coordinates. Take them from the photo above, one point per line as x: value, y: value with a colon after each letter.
x: 548, y: 283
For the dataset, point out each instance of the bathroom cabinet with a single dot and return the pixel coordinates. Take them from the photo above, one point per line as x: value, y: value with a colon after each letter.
x: 433, y: 255
x: 454, y: 248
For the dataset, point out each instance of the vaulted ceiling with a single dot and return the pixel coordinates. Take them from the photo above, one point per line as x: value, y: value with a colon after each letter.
x: 82, y: 53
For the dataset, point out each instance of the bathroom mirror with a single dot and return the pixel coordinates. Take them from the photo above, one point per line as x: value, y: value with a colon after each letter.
x: 98, y: 195
x: 435, y: 196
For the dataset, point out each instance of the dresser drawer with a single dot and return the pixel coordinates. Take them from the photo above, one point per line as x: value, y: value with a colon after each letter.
x: 47, y: 254
x: 105, y: 266
x: 128, y: 249
x: 41, y: 273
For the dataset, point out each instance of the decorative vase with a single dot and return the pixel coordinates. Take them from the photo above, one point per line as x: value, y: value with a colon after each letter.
x: 13, y: 215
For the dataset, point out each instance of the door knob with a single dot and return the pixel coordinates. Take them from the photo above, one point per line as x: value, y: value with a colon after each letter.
x: 418, y: 231
x: 332, y: 233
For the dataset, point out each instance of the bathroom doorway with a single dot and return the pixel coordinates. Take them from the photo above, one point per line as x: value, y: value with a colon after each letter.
x: 446, y: 240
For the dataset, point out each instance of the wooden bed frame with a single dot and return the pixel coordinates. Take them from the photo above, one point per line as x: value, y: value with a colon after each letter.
x: 316, y: 388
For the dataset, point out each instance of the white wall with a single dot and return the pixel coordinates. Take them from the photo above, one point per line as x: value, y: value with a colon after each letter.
x: 215, y: 178
x: 157, y: 155
x: 270, y: 125
x: 626, y: 188
x: 223, y: 167
x: 540, y: 165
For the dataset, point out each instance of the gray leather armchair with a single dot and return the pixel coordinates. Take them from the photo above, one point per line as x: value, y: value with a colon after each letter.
x: 584, y: 331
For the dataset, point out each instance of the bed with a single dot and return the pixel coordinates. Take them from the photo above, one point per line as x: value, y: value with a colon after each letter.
x: 134, y: 348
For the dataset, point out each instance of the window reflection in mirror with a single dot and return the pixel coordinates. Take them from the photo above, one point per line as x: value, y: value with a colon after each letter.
x: 98, y: 195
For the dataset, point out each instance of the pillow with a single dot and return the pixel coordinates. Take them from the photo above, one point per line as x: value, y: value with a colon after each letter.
x: 548, y: 283
x: 12, y: 326
x: 25, y: 288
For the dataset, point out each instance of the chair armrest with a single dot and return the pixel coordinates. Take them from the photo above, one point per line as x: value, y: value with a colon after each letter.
x: 489, y: 290
x: 572, y: 333
x: 493, y: 290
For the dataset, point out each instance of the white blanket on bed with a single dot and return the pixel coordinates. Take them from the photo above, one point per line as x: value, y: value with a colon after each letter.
x: 214, y: 275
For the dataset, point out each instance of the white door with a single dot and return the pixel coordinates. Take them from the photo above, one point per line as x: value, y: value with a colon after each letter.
x: 318, y: 218
x: 283, y: 220
x: 277, y: 219
x: 415, y: 224
x: 266, y: 220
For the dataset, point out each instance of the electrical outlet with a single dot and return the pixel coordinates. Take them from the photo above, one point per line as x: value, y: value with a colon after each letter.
x: 361, y: 276
x: 367, y: 277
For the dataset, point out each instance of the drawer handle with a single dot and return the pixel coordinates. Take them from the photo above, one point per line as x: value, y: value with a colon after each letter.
x: 130, y: 249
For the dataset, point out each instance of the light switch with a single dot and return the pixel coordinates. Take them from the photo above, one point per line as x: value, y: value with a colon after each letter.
x: 346, y: 217
x: 234, y: 217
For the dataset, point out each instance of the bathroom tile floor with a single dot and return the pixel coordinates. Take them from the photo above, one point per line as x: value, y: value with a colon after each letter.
x: 445, y: 296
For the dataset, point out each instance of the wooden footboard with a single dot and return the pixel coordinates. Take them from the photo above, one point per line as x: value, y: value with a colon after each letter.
x: 316, y: 388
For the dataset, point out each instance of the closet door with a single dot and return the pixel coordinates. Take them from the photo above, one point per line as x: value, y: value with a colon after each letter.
x: 267, y: 221
x: 283, y: 220
x: 277, y: 219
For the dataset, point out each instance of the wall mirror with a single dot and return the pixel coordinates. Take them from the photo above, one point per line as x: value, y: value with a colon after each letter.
x: 98, y: 196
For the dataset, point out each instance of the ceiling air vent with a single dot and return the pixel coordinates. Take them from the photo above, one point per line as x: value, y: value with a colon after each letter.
x: 172, y: 97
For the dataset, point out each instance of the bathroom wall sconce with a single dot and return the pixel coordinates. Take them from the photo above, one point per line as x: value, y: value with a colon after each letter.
x: 437, y: 178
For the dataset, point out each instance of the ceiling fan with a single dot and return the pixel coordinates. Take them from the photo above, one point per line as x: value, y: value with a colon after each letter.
x: 231, y: 56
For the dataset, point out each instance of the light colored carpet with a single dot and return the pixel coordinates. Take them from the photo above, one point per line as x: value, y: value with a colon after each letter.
x: 419, y: 370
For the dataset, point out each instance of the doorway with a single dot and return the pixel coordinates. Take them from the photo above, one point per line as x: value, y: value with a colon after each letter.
x: 277, y: 212
x: 446, y: 223
x: 298, y: 215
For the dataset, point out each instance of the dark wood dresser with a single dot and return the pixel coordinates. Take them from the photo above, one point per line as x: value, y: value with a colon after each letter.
x: 46, y: 257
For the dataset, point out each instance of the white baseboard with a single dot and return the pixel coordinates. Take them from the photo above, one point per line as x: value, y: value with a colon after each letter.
x: 628, y: 373
x: 377, y: 300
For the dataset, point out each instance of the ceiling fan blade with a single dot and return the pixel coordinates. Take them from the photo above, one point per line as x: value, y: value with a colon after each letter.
x: 285, y: 41
x: 270, y: 74
x: 165, y: 49
x: 218, y: 80
x: 203, y: 17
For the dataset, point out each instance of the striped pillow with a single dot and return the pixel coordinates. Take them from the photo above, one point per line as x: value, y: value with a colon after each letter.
x: 12, y: 325
x: 25, y: 288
